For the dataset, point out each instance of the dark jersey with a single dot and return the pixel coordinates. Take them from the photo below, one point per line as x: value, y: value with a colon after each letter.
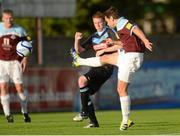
x: 96, y: 39
x: 96, y: 76
x: 131, y: 43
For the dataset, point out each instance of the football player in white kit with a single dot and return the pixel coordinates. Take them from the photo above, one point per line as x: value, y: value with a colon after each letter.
x: 12, y: 66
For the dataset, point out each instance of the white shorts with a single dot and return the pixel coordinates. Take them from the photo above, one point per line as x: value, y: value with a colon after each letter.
x: 128, y: 64
x: 10, y: 71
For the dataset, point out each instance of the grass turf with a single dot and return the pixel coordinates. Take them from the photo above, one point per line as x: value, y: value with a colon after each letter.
x: 147, y: 122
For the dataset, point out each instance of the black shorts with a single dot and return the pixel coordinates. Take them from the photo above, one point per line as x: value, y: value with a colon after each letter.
x: 97, y: 76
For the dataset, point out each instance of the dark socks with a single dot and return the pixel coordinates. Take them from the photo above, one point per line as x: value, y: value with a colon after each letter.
x: 84, y: 99
x: 91, y: 112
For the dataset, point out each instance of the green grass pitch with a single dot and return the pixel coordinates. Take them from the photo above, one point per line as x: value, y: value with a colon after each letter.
x: 147, y: 122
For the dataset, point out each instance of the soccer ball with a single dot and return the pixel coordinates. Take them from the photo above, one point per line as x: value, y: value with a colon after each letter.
x: 24, y: 48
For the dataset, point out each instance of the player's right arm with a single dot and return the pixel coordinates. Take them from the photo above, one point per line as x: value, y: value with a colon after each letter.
x: 77, y: 45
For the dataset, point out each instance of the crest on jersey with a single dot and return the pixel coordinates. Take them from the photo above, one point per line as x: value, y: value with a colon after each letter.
x: 13, y: 37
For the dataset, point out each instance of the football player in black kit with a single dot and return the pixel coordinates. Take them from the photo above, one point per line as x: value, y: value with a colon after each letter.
x: 90, y: 82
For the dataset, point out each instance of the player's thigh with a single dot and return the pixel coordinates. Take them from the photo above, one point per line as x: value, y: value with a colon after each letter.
x: 97, y: 77
x: 4, y: 71
x: 82, y: 81
x: 99, y: 74
x: 109, y: 59
x: 128, y: 65
x: 16, y: 73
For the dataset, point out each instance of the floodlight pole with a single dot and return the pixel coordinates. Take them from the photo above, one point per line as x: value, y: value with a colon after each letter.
x: 39, y: 40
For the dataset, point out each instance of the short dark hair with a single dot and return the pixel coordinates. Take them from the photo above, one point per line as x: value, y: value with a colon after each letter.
x: 98, y: 14
x: 112, y: 11
x: 8, y: 11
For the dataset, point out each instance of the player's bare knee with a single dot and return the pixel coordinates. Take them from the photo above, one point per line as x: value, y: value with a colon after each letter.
x: 82, y: 81
x: 104, y: 58
x: 121, y: 92
x: 19, y: 89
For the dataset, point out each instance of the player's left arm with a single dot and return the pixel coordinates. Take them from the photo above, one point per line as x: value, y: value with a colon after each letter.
x: 113, y: 46
x: 26, y: 37
x: 24, y: 63
x: 137, y: 31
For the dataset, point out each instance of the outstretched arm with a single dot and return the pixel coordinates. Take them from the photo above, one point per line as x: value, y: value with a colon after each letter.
x: 142, y: 36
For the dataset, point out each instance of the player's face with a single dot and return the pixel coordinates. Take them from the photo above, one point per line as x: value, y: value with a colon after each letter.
x: 110, y: 22
x: 98, y: 24
x: 7, y: 19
